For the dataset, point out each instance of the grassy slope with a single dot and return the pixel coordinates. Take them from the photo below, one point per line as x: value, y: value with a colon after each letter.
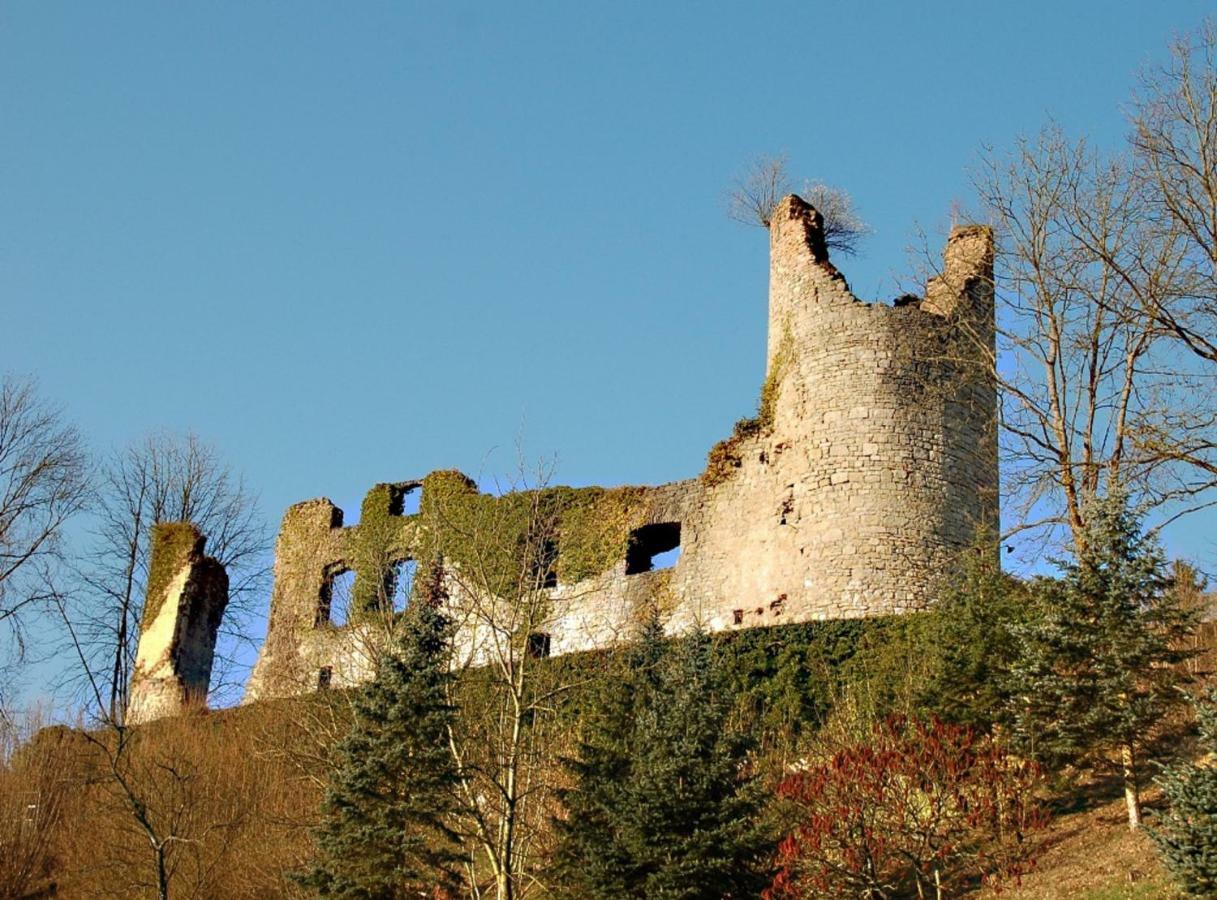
x: 1092, y: 855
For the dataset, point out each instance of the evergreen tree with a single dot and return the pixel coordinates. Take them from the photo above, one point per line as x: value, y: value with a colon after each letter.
x: 1099, y: 665
x: 660, y: 807
x: 385, y: 834
x: 1186, y: 833
x: 971, y: 637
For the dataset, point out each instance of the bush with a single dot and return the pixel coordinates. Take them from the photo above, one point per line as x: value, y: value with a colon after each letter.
x: 913, y: 809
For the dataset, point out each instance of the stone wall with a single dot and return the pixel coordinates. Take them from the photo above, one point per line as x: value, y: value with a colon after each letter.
x: 187, y: 594
x: 873, y: 462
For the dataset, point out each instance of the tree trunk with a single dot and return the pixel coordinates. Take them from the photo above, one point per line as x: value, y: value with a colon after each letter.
x: 162, y: 875
x: 1132, y: 796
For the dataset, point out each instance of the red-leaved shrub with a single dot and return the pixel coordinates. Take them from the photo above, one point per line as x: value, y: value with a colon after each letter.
x: 915, y: 810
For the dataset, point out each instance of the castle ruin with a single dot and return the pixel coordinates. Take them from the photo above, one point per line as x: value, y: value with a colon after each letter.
x: 871, y: 463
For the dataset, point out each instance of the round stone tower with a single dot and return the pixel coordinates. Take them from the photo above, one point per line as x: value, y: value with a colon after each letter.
x: 873, y: 460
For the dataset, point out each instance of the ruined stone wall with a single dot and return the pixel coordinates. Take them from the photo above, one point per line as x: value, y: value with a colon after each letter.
x: 187, y: 594
x: 871, y: 464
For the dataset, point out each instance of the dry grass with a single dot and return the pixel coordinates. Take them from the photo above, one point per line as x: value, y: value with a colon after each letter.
x: 1092, y: 855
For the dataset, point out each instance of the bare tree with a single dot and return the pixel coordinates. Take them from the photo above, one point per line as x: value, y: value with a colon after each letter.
x: 754, y: 195
x: 1087, y: 374
x: 494, y: 568
x: 1174, y: 139
x: 167, y: 808
x: 43, y: 484
x: 164, y: 478
x: 844, y: 229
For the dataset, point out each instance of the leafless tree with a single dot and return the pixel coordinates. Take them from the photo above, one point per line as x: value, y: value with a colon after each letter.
x: 164, y: 478
x: 1174, y: 141
x: 844, y: 229
x: 43, y: 483
x: 506, y: 742
x: 1087, y: 374
x: 754, y: 195
x: 168, y: 808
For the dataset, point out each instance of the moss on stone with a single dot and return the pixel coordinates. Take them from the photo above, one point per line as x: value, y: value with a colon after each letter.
x: 372, y: 573
x: 172, y: 545
x: 503, y: 535
x: 727, y: 455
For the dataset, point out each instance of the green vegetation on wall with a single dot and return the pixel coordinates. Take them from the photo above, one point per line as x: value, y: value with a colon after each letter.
x: 727, y: 455
x: 587, y: 528
x: 172, y: 544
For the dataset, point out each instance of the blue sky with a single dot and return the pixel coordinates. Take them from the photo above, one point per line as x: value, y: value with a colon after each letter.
x: 354, y: 243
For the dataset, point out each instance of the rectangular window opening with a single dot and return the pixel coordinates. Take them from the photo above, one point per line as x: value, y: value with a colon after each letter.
x: 412, y: 500
x: 737, y: 616
x: 334, y: 602
x: 324, y: 678
x: 403, y: 583
x: 405, y: 498
x: 653, y: 547
x: 538, y: 645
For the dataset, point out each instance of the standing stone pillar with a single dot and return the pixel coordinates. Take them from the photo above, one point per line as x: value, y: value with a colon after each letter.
x: 187, y: 593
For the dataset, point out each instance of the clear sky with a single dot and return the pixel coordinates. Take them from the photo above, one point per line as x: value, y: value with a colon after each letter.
x: 350, y: 243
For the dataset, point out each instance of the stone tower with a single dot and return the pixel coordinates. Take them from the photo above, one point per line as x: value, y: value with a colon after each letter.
x: 875, y: 461
x: 187, y: 594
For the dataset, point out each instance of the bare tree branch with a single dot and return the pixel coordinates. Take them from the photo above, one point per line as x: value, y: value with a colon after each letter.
x: 43, y: 484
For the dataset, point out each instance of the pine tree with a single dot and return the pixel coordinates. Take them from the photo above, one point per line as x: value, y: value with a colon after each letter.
x: 1186, y: 832
x: 970, y: 636
x: 385, y: 834
x: 660, y: 807
x: 1099, y: 665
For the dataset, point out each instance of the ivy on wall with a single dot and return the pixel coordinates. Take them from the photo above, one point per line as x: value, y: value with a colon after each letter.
x: 577, y: 533
x: 172, y: 545
x: 726, y: 456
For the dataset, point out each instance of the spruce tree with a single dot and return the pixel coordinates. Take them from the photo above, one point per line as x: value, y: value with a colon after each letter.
x: 385, y: 834
x: 660, y: 806
x: 1186, y: 832
x: 1098, y: 667
x: 970, y: 639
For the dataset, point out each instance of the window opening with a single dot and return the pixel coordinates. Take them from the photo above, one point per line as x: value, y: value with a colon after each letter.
x: 412, y: 500
x: 538, y: 645
x: 653, y: 547
x: 545, y: 564
x: 334, y: 603
x: 403, y: 584
x: 405, y: 499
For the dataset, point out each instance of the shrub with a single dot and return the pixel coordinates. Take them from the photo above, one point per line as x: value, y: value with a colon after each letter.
x: 914, y: 809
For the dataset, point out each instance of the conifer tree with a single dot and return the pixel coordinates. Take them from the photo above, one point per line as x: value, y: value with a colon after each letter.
x: 1186, y: 832
x: 385, y: 834
x: 970, y: 637
x: 660, y: 807
x: 1099, y: 665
